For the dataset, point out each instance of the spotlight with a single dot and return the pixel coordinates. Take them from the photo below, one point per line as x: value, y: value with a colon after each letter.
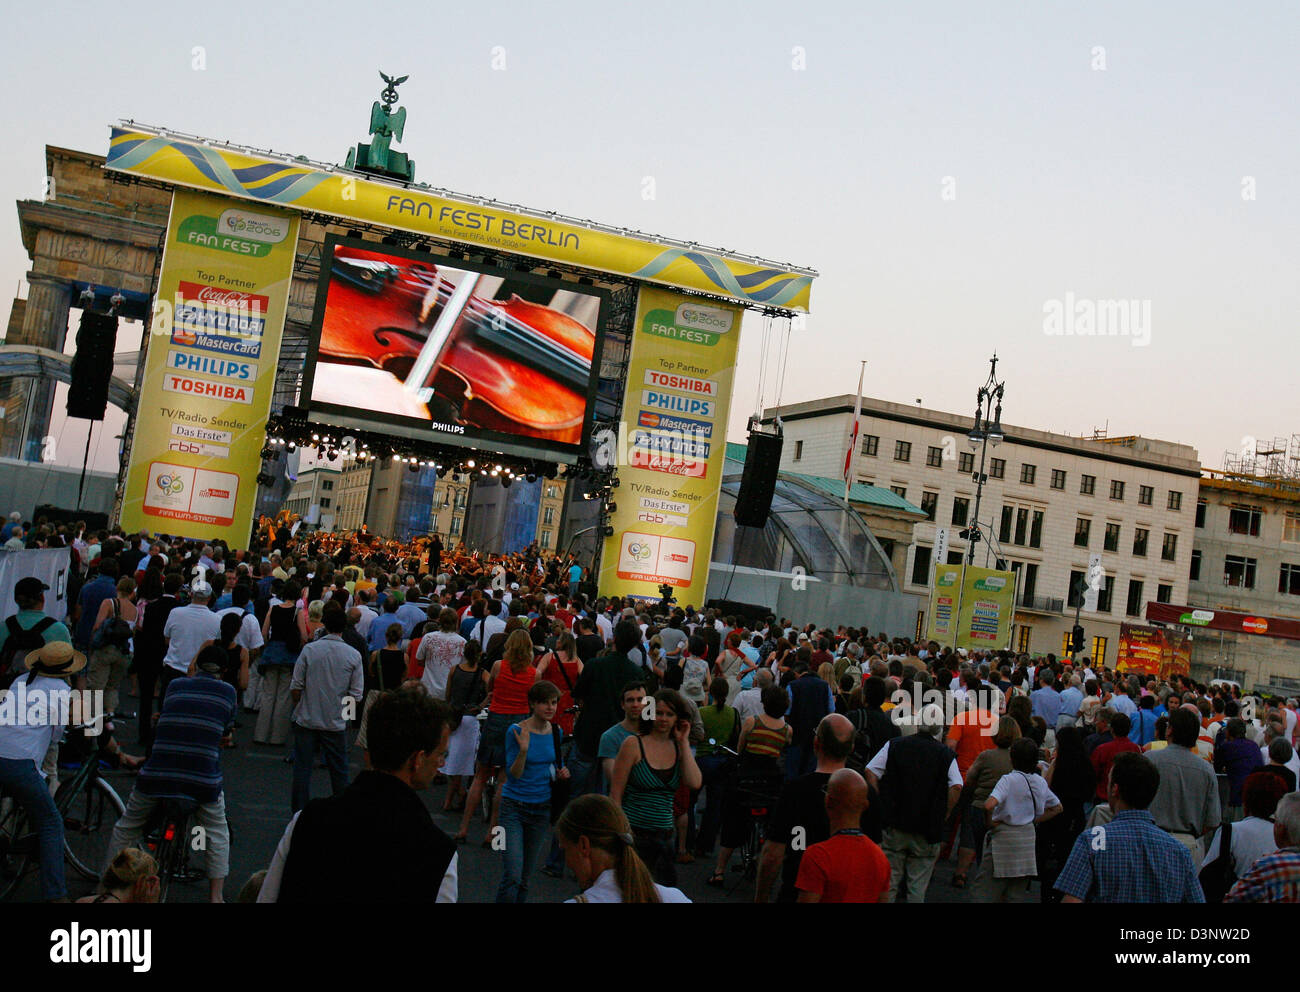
x: 414, y: 467
x: 532, y: 477
x: 291, y: 446
x: 267, y: 453
x: 469, y: 463
x: 611, y: 507
x: 608, y: 531
x: 505, y: 482
x: 613, y: 482
x: 315, y: 437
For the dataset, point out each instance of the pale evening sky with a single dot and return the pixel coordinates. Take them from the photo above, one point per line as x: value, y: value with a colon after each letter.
x: 950, y: 169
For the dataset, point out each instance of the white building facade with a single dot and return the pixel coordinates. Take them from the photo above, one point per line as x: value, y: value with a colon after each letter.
x: 1049, y: 502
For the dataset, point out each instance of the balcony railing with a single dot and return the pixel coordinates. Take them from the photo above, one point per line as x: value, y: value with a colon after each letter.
x: 1041, y: 604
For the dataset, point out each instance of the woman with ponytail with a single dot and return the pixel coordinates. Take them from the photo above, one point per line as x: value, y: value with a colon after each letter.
x: 599, y: 849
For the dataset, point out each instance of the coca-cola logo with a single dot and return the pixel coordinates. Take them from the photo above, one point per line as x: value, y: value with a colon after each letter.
x: 224, y: 297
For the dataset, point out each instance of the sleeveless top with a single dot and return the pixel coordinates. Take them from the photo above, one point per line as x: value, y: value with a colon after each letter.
x: 648, y: 796
x: 510, y: 691
x: 765, y: 742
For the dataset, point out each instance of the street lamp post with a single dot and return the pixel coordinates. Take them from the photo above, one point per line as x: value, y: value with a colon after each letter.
x: 988, y: 427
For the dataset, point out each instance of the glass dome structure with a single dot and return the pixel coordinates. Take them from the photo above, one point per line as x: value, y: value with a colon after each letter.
x: 808, y: 528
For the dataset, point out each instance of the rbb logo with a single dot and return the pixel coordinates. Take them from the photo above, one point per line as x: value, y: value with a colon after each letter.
x: 186, y: 447
x: 651, y: 518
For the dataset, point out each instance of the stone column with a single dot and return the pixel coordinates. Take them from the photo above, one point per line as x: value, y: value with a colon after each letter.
x: 45, y: 325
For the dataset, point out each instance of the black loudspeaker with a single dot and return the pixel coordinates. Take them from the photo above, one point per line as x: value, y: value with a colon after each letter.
x: 762, y: 462
x: 92, y: 366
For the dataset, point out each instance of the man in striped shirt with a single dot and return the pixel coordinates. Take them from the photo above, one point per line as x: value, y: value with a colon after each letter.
x: 197, y: 715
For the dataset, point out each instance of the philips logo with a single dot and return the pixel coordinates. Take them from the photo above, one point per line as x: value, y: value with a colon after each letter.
x: 255, y: 227
x: 705, y: 318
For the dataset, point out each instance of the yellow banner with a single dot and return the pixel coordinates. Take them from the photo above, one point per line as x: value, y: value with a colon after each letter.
x: 306, y: 187
x: 672, y: 443
x: 209, y: 372
x: 986, y: 599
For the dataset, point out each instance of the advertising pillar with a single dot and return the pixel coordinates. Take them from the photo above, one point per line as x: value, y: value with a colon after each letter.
x: 672, y: 444
x: 213, y: 344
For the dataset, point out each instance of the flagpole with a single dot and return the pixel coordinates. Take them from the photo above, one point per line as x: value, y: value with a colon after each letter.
x: 851, y: 458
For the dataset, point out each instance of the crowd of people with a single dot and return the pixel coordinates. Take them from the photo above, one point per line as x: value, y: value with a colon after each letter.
x: 621, y: 739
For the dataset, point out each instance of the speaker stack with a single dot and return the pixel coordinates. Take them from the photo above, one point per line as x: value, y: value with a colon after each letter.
x: 92, y: 366
x: 758, y: 483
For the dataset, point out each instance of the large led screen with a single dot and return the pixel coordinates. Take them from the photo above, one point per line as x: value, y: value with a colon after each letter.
x: 409, y: 344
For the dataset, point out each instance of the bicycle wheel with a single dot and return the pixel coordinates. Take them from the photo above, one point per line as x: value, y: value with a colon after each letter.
x: 88, y: 825
x: 15, y: 860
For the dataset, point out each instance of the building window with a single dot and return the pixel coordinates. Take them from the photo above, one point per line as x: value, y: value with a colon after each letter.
x: 327, y: 484
x: 1289, y: 581
x: 798, y: 450
x: 1164, y: 593
x: 1082, y: 531
x: 1030, y: 582
x: 899, y: 491
x: 929, y: 504
x: 1134, y: 606
x: 1145, y: 495
x: 997, y: 468
x: 1087, y: 485
x: 1195, y: 574
x: 1022, y: 525
x: 955, y: 557
x: 1058, y: 478
x: 546, y: 538
x: 1291, y: 527
x: 934, y: 457
x: 1175, y: 500
x: 550, y: 492
x: 966, y: 463
x: 325, y: 503
x: 1111, y: 542
x: 1036, y: 530
x: 1169, y: 547
x: 1074, y: 597
x: 1098, y: 651
x: 1245, y: 520
x: 902, y: 451
x: 1140, y: 542
x: 455, y: 527
x: 1104, y: 594
x: 1239, y: 572
x: 921, y: 566
x: 548, y: 515
x: 1027, y: 473
x: 888, y: 548
x: 870, y: 444
x: 1004, y: 529
x: 1022, y: 638
x: 1116, y: 489
x: 960, y: 511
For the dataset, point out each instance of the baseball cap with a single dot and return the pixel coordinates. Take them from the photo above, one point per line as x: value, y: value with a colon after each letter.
x: 29, y: 588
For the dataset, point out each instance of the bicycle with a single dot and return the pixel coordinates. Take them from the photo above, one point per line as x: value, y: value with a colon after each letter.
x: 168, y: 838
x: 90, y: 808
x: 757, y: 803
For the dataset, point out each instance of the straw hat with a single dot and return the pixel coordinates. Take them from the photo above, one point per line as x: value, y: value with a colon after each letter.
x: 56, y: 660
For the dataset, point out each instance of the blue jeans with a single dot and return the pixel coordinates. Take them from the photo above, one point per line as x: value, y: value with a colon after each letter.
x: 334, y: 743
x: 527, y: 827
x: 799, y: 761
x: 20, y: 779
x: 714, y: 768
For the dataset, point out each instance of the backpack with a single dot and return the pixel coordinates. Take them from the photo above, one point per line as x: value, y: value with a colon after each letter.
x: 17, y: 646
x: 115, y: 632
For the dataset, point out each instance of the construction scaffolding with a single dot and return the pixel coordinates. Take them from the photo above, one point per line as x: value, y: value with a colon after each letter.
x: 1266, y: 468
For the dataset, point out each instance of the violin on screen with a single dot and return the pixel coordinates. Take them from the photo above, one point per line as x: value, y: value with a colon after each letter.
x: 505, y: 365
